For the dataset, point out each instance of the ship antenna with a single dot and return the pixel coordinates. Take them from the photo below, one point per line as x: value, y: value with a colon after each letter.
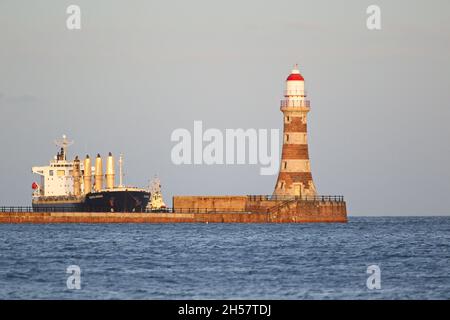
x: 121, y: 170
x: 64, y: 143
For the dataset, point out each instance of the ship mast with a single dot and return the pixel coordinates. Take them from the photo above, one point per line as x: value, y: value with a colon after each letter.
x: 121, y: 170
x: 64, y: 143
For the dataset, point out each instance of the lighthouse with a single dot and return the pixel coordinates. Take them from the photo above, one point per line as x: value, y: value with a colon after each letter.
x: 294, y: 177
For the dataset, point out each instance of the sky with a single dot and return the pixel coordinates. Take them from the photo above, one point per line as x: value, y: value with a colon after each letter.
x: 138, y: 70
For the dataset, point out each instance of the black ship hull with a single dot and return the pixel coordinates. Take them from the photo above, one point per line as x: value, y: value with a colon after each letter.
x: 58, y: 206
x: 117, y: 201
x: 122, y: 200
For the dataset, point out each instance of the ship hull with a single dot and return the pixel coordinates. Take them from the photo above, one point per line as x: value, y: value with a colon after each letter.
x: 58, y: 206
x: 103, y: 201
x: 117, y: 201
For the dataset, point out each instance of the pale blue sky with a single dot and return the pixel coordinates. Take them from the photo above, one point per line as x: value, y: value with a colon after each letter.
x: 137, y: 70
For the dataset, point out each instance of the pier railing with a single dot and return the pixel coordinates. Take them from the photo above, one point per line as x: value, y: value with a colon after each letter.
x: 16, y: 209
x: 281, y: 198
x: 294, y: 103
x: 27, y: 209
x: 316, y: 198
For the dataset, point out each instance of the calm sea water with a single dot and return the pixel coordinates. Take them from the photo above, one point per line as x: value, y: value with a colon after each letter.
x: 228, y: 261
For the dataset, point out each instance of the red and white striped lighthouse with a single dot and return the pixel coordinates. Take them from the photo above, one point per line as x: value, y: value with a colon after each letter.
x: 294, y: 178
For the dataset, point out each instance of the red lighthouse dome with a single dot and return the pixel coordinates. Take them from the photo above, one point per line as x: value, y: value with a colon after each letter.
x: 295, y: 75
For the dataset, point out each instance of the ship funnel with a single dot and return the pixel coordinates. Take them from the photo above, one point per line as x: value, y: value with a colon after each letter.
x: 87, y: 175
x: 98, y: 173
x: 76, y: 173
x: 110, y: 172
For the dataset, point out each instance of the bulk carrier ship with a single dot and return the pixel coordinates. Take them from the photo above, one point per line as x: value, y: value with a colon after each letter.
x: 70, y: 186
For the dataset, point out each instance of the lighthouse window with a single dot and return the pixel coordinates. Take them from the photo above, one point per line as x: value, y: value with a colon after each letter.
x: 287, y: 137
x: 285, y: 164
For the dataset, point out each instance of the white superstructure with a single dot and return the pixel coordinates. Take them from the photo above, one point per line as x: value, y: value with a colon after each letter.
x: 56, y: 178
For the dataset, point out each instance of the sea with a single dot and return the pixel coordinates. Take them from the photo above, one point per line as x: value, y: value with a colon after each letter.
x: 366, y: 258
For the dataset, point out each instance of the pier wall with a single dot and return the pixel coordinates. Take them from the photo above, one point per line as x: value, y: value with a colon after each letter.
x: 205, y: 209
x: 213, y: 203
x: 324, y: 213
x: 260, y: 204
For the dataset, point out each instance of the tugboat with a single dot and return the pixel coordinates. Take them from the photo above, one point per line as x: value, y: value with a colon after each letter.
x: 156, y: 203
x: 68, y: 186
